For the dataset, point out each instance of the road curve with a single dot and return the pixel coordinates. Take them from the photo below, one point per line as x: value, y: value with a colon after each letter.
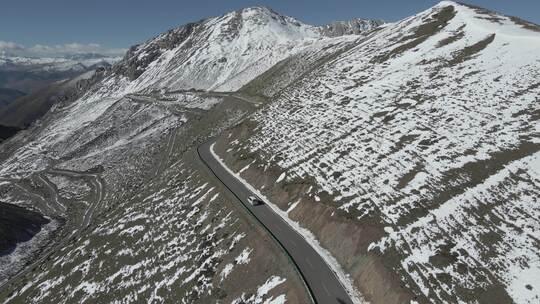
x: 97, y: 185
x: 54, y: 192
x: 321, y: 281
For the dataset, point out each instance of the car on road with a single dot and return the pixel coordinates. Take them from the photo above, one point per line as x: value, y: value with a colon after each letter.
x: 255, y: 201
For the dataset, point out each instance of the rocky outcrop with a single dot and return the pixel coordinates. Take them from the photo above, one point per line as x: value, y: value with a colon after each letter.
x: 351, y: 27
x: 138, y: 57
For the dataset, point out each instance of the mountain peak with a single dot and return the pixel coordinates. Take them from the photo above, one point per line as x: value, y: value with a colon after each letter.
x: 447, y: 3
x: 252, y: 34
x: 257, y: 16
x: 262, y: 9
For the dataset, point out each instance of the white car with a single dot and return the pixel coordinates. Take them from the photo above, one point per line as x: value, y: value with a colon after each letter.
x: 255, y: 201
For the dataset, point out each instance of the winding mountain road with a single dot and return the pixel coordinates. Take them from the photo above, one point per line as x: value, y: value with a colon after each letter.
x: 97, y: 185
x: 54, y: 192
x: 323, y: 284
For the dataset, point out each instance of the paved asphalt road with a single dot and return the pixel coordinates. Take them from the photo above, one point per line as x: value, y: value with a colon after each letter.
x: 324, y: 285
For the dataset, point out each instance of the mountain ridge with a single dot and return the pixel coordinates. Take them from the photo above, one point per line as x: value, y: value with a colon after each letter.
x: 282, y: 33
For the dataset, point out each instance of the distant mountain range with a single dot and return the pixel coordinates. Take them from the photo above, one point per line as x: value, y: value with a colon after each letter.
x: 27, y: 74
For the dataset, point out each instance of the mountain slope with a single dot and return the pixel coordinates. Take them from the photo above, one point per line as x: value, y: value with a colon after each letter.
x: 183, y: 58
x: 219, y: 53
x: 410, y: 152
x: 154, y: 221
x: 8, y: 95
x: 421, y: 138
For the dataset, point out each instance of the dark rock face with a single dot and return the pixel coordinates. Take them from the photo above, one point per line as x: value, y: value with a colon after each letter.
x: 352, y: 27
x: 138, y: 57
x: 17, y: 225
x: 7, y: 132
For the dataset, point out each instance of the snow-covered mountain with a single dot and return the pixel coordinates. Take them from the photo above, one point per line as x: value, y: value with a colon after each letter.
x: 418, y: 150
x: 43, y: 80
x: 217, y: 54
x: 57, y: 64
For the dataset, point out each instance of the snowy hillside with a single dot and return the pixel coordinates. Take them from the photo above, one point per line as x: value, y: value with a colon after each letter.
x: 221, y: 53
x: 424, y: 138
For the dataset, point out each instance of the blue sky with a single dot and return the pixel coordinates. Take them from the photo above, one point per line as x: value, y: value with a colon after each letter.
x: 102, y: 25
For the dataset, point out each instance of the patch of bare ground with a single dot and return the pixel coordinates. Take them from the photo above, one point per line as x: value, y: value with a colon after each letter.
x: 469, y: 51
x: 527, y: 90
x: 409, y: 176
x: 457, y: 35
x: 434, y: 24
